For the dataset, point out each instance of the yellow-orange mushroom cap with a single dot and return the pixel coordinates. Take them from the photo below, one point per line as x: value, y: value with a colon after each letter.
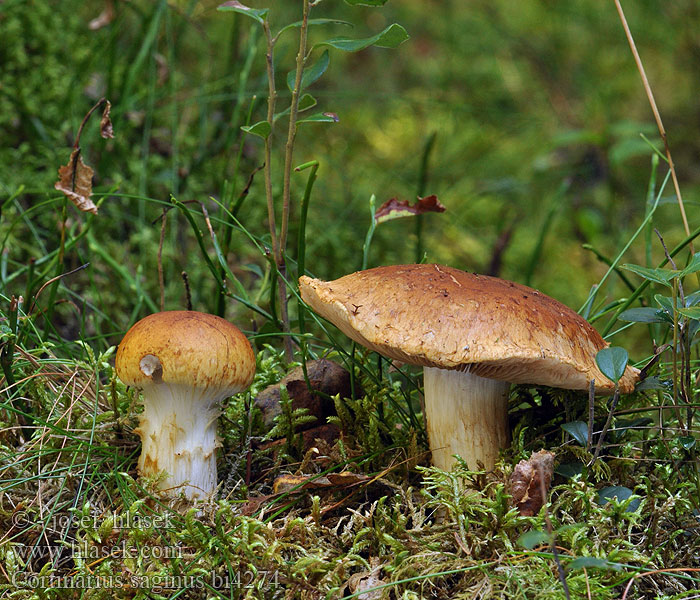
x: 189, y: 348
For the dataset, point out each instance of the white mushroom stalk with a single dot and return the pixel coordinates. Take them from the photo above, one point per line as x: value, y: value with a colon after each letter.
x: 185, y: 363
x: 465, y: 415
x: 178, y: 438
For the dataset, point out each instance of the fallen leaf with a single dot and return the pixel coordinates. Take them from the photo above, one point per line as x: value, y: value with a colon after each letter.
x: 530, y: 482
x: 287, y: 483
x: 106, y: 130
x: 396, y: 209
x: 364, y: 584
x: 346, y: 478
x: 75, y: 181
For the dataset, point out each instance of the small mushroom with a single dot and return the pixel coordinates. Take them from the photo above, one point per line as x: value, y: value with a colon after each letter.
x: 474, y: 335
x: 184, y: 363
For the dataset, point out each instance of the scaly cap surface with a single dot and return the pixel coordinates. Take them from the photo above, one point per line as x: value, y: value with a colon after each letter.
x: 189, y: 348
x: 437, y: 316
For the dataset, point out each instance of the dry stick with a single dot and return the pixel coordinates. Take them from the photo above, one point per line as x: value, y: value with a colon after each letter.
x: 286, y: 192
x: 277, y: 247
x: 271, y: 100
x: 677, y: 335
x: 657, y: 116
x: 52, y: 280
x: 550, y: 531
x: 599, y: 445
x: 161, y: 278
x: 591, y: 414
x: 188, y: 295
x: 291, y: 134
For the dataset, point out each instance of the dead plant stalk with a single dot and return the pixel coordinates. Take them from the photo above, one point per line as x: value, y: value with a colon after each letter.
x: 279, y: 242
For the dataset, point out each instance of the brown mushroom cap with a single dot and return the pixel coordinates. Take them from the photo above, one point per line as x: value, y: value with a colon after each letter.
x: 437, y: 316
x: 189, y: 348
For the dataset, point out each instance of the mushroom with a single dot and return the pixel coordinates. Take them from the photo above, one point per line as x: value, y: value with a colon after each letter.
x: 474, y: 335
x: 184, y: 363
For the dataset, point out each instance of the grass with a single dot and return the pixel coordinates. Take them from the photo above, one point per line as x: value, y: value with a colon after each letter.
x: 533, y: 134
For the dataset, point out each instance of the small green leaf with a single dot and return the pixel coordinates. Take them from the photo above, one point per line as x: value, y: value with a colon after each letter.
x: 693, y: 265
x: 311, y: 74
x: 665, y: 302
x: 644, y: 315
x: 390, y: 37
x: 577, y: 430
x: 692, y: 299
x: 619, y: 493
x: 326, y: 117
x: 259, y: 14
x: 612, y: 362
x: 654, y: 383
x: 692, y: 313
x: 589, y: 562
x: 306, y: 102
x: 298, y: 24
x: 261, y: 129
x: 686, y: 441
x: 569, y: 470
x: 662, y: 276
x: 534, y: 538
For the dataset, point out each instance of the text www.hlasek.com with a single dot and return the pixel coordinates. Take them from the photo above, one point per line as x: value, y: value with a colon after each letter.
x: 155, y: 583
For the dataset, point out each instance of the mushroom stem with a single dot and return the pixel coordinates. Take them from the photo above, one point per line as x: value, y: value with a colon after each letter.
x: 466, y: 415
x: 178, y: 437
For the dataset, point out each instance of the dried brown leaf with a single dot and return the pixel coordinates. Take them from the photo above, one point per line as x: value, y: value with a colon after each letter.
x: 364, y: 584
x: 285, y: 483
x: 396, y: 209
x: 530, y: 482
x: 347, y: 478
x: 75, y: 181
x: 106, y: 130
x: 104, y: 18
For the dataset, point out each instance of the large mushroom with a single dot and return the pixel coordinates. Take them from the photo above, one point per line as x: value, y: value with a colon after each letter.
x: 474, y: 335
x: 184, y: 363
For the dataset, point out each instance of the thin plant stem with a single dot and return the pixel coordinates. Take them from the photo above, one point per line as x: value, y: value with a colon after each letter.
x: 601, y: 437
x: 287, y: 183
x: 422, y: 184
x: 591, y: 414
x: 291, y: 134
x: 271, y: 101
x: 161, y: 278
x: 657, y: 117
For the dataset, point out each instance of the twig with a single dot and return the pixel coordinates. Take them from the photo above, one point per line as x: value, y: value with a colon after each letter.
x: 188, y: 295
x: 550, y: 531
x: 657, y: 116
x: 161, y: 278
x: 271, y: 101
x: 97, y: 105
x: 601, y: 437
x: 292, y: 132
x: 52, y: 280
x: 287, y: 182
x: 591, y: 414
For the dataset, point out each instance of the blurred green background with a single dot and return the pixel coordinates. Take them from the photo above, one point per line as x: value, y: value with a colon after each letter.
x: 536, y: 108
